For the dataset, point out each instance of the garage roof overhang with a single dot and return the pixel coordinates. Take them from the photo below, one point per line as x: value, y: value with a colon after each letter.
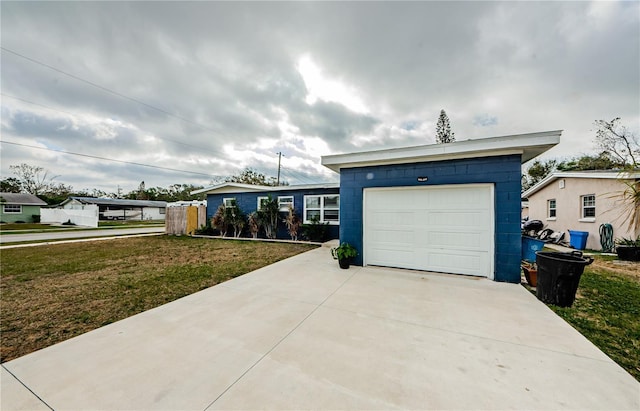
x: 528, y: 146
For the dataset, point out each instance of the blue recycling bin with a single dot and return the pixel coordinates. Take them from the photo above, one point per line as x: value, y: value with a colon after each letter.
x: 530, y: 246
x: 578, y: 239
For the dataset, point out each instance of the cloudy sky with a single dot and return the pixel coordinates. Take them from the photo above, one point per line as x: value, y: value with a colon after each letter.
x: 205, y: 89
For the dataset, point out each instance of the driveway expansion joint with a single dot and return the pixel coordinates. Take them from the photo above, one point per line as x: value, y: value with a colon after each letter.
x: 281, y: 340
x: 27, y: 387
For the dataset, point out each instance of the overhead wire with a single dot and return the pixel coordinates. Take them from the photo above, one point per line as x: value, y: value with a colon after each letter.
x: 299, y: 176
x: 292, y: 173
x: 108, y: 90
x: 217, y: 153
x: 109, y: 159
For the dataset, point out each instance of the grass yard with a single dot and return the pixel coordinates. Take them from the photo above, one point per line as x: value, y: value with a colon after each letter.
x: 607, y: 311
x: 55, y: 292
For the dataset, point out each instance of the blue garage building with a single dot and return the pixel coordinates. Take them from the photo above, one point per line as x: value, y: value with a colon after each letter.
x: 452, y: 208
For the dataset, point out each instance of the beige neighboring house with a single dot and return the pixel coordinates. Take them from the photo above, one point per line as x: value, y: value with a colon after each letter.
x: 582, y: 201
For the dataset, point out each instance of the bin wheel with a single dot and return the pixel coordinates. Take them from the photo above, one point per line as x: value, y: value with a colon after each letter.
x: 544, y: 234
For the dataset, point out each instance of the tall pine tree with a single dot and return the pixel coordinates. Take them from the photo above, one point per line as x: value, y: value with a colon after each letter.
x: 443, y: 129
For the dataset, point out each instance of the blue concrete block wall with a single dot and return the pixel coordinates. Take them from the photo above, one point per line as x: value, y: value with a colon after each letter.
x: 502, y: 171
x: 248, y: 203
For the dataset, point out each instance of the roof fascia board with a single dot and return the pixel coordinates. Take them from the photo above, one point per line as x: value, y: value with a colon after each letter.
x: 623, y: 175
x: 236, y: 188
x: 418, y: 159
x: 527, y: 145
x: 230, y: 188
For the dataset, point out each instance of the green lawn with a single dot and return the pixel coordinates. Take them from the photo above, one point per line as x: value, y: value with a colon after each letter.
x: 607, y: 312
x: 55, y: 292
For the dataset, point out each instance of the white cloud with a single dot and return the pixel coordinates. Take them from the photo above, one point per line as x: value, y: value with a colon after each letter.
x: 243, y: 81
x: 322, y: 87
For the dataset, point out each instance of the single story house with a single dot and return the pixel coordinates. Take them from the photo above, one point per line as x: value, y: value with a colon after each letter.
x: 321, y: 201
x: 582, y: 201
x: 20, y: 207
x: 119, y: 209
x: 452, y: 208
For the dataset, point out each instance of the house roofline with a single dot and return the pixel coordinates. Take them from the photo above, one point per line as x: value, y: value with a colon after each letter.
x: 599, y: 174
x: 232, y: 188
x: 25, y: 199
x: 528, y: 146
x: 115, y: 201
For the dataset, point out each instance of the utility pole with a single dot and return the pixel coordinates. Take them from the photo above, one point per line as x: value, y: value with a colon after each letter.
x: 279, y: 158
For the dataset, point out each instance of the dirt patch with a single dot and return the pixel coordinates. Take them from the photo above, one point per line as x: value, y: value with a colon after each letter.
x: 630, y: 269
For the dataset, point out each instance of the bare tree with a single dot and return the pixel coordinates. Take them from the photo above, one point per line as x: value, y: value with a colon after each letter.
x: 33, y: 179
x: 614, y: 139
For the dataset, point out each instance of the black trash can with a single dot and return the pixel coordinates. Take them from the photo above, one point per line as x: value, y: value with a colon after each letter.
x: 558, y: 276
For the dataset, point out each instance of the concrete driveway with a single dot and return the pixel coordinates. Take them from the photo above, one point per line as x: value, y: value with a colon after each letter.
x: 303, y: 334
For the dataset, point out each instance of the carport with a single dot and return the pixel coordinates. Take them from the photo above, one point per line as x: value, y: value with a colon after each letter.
x: 451, y: 208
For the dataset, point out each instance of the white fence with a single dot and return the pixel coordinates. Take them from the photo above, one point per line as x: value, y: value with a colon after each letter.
x: 87, y: 217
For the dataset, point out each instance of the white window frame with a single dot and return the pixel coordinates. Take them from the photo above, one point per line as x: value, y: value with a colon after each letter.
x: 584, y: 207
x: 552, y: 209
x: 260, y: 200
x: 321, y: 208
x: 227, y: 201
x: 4, y: 209
x: 284, y: 205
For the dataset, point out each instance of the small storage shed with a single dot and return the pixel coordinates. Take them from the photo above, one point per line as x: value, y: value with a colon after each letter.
x: 451, y: 208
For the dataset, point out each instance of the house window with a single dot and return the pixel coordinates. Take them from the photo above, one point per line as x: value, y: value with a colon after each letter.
x: 284, y: 202
x: 228, y: 202
x: 551, y: 208
x: 12, y: 208
x: 261, y: 201
x: 162, y: 210
x: 325, y: 208
x: 588, y: 206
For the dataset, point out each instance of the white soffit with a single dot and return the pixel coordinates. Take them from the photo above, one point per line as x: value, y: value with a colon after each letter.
x: 528, y: 146
x: 234, y: 188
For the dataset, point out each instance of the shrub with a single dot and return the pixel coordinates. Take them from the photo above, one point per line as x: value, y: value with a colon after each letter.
x: 344, y: 251
x: 268, y: 216
x: 292, y: 221
x: 315, y: 231
x: 219, y: 222
x: 206, y: 229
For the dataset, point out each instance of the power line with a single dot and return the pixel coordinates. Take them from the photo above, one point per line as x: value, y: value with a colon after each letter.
x: 109, y: 159
x: 299, y: 176
x: 38, y: 104
x: 217, y: 153
x: 108, y: 90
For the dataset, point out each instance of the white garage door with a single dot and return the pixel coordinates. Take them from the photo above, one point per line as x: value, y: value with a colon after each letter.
x: 446, y: 229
